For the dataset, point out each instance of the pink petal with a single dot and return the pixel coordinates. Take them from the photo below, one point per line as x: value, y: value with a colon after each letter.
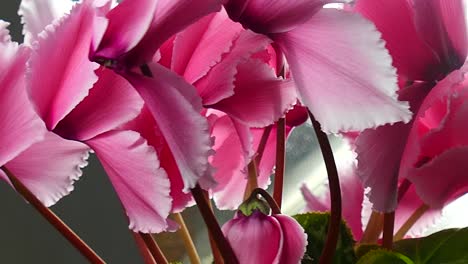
x: 50, y: 167
x: 229, y: 163
x: 20, y: 126
x: 111, y: 102
x: 147, y: 127
x: 323, y: 67
x: 432, y: 111
x: 219, y: 83
x: 140, y: 183
x: 4, y: 32
x: 176, y: 108
x: 407, y: 206
x: 264, y: 16
x: 442, y: 25
x: 171, y: 16
x: 379, y: 153
x: 121, y: 37
x: 443, y: 179
x: 260, y: 98
x: 202, y: 45
x: 63, y: 47
x: 36, y: 15
x: 395, y: 20
x: 294, y: 240
x: 353, y: 192
x: 255, y: 239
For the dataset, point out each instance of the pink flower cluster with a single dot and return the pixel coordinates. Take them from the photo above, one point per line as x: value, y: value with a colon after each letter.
x: 171, y: 94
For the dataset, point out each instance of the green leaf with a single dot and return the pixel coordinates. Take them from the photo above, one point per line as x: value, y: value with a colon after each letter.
x: 316, y: 227
x: 448, y: 246
x: 382, y: 256
x: 363, y: 249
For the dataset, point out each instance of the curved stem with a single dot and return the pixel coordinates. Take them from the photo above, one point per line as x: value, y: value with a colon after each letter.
x: 144, y: 251
x: 280, y: 161
x: 400, y: 234
x: 213, y: 226
x: 154, y: 248
x: 335, y: 193
x: 389, y: 223
x: 275, y: 209
x: 188, y: 242
x: 54, y: 220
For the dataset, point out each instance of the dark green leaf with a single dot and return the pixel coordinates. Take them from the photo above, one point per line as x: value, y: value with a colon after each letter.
x: 381, y: 256
x: 447, y: 246
x: 316, y: 227
x: 363, y: 249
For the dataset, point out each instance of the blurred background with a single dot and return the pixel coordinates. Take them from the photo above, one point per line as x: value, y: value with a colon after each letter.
x: 94, y: 212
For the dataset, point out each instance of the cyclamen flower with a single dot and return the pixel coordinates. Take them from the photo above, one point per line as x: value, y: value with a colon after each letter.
x: 261, y: 238
x: 330, y: 53
x: 231, y: 69
x: 427, y: 40
x: 357, y: 209
x: 27, y: 148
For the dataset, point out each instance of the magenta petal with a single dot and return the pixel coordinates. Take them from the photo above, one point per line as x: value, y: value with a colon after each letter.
x: 443, y: 179
x: 111, y: 102
x: 442, y: 25
x: 260, y: 98
x: 294, y: 240
x: 266, y: 16
x: 176, y: 108
x: 395, y: 20
x: 360, y: 72
x: 171, y: 17
x: 121, y: 37
x: 202, y: 45
x: 142, y: 186
x: 379, y: 154
x: 36, y: 15
x: 255, y: 239
x: 19, y: 124
x: 50, y: 167
x: 147, y: 127
x: 219, y: 82
x: 230, y: 165
x: 63, y: 47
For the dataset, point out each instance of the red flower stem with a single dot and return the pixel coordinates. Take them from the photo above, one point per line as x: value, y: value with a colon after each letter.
x: 335, y: 194
x: 252, y: 181
x: 213, y: 226
x: 217, y: 258
x: 389, y: 223
x: 54, y: 220
x: 154, y: 248
x: 280, y: 161
x: 262, y: 144
x: 144, y: 251
x: 275, y: 209
x: 403, y: 188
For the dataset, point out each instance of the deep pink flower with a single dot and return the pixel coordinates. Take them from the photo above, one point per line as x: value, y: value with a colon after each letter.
x: 230, y: 68
x: 27, y: 148
x: 80, y: 101
x: 427, y: 40
x: 342, y: 71
x: 261, y: 238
